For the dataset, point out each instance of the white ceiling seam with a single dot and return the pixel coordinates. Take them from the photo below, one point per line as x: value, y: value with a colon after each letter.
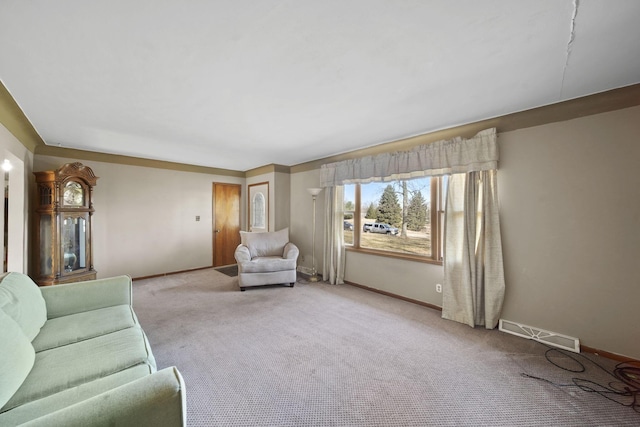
x: 572, y: 36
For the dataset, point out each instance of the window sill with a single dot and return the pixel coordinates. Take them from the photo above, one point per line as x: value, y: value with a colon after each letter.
x: 397, y: 255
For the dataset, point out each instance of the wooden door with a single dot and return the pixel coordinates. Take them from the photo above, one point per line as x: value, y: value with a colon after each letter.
x: 226, y: 223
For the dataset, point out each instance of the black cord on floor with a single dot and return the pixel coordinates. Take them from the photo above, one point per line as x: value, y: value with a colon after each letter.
x: 625, y: 386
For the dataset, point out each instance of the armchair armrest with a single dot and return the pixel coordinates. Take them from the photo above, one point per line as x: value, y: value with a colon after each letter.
x: 77, y: 297
x: 158, y: 399
x: 291, y: 251
x: 242, y: 254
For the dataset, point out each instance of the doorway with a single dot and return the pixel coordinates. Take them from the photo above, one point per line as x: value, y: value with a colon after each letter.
x: 226, y: 222
x: 12, y: 216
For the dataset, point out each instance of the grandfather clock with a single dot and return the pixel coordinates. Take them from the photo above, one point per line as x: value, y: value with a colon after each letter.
x: 64, y: 209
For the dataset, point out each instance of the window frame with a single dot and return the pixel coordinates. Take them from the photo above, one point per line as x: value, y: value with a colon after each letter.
x: 437, y: 224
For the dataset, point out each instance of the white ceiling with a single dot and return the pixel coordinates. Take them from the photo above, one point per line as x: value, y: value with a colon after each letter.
x: 241, y: 84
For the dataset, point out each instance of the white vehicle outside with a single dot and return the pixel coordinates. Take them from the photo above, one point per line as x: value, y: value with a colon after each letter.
x: 381, y: 228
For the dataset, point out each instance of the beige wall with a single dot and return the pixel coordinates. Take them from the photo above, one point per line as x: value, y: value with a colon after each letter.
x: 145, y: 217
x: 410, y: 279
x: 282, y: 200
x: 570, y: 211
x: 302, y: 217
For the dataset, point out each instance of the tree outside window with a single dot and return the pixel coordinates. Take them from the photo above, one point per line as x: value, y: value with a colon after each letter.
x: 411, y: 210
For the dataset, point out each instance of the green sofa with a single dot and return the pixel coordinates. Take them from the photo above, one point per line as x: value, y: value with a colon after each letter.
x: 75, y: 355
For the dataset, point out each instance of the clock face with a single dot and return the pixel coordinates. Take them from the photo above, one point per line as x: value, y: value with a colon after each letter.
x: 73, y: 194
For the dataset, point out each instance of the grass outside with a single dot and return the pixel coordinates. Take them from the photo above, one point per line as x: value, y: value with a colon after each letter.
x: 416, y: 243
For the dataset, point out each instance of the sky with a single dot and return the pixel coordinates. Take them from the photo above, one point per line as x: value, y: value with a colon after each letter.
x: 371, y: 192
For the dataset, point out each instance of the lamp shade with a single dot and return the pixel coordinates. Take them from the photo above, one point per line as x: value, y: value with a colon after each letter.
x: 314, y: 191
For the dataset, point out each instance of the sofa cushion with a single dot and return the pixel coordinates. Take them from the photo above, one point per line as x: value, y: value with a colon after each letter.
x: 69, y: 366
x: 268, y: 265
x: 70, y: 396
x: 265, y: 244
x: 81, y: 326
x: 22, y: 300
x: 76, y: 297
x: 16, y: 357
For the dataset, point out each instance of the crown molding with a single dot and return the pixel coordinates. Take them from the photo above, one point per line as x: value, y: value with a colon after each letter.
x: 47, y: 150
x: 272, y: 168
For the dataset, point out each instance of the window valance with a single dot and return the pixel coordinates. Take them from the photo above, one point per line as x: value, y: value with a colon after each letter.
x: 457, y: 155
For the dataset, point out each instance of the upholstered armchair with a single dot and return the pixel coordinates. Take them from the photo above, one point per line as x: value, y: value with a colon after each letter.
x: 266, y: 259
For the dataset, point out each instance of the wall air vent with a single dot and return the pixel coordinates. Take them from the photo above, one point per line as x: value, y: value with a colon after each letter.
x: 540, y: 335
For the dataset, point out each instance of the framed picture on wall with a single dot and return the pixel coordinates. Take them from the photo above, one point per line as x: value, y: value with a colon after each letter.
x: 258, y: 207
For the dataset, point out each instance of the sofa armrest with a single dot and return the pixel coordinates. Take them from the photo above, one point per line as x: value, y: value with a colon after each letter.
x: 158, y: 399
x: 242, y: 254
x: 291, y: 251
x: 77, y: 297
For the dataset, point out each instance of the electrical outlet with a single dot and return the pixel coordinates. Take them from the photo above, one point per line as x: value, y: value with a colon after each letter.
x: 301, y: 258
x: 438, y: 288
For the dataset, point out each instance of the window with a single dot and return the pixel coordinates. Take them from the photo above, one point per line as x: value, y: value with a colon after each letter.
x: 397, y: 218
x: 258, y: 210
x: 349, y: 213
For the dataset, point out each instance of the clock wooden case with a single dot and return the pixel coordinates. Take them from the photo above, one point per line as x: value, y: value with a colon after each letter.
x: 64, y: 209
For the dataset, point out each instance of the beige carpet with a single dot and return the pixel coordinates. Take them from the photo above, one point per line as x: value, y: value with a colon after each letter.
x: 324, y: 355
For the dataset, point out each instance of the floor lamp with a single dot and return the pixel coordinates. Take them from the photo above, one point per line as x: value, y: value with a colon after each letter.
x: 314, y: 193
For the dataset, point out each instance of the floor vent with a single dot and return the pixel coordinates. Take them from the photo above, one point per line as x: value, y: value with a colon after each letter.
x: 537, y: 334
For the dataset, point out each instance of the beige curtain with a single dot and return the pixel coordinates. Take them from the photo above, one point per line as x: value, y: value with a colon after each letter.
x: 334, y: 253
x: 457, y: 155
x: 473, y: 290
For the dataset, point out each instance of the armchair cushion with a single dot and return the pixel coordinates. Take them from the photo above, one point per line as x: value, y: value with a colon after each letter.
x: 269, y: 264
x: 265, y: 244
